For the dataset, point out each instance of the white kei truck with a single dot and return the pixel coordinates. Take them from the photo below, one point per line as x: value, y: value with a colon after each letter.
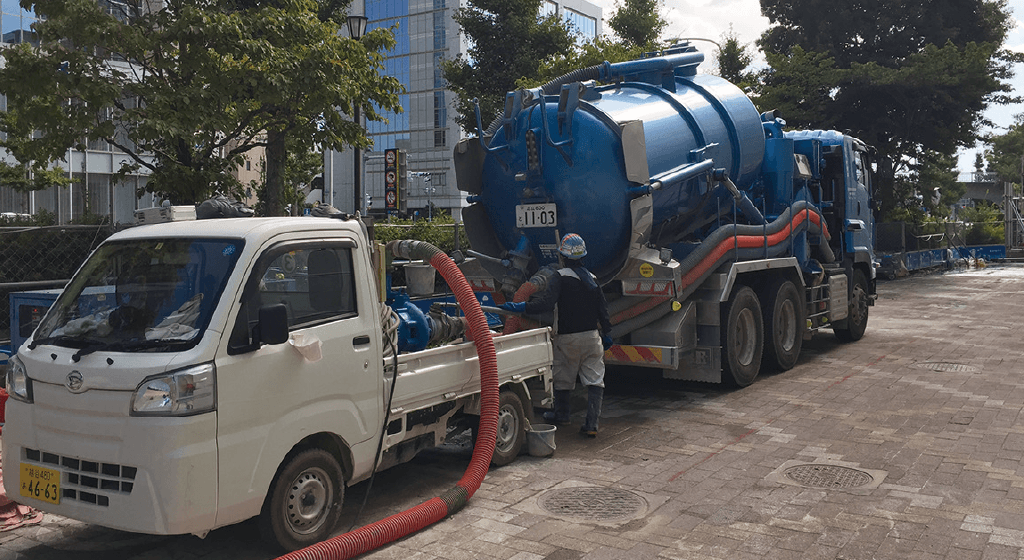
x: 195, y: 374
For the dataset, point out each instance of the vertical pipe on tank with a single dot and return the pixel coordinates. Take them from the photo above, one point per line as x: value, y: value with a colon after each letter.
x: 778, y: 173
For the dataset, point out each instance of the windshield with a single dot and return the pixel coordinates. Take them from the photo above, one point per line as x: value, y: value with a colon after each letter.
x: 141, y: 294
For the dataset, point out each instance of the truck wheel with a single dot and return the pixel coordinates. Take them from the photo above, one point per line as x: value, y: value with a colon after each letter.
x: 742, y: 337
x: 857, y: 321
x: 784, y: 325
x: 304, y: 503
x: 511, y: 429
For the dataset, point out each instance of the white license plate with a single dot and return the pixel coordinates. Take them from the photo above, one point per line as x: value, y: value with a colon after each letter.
x: 536, y: 215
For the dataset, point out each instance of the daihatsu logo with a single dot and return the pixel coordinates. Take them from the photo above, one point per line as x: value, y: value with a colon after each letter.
x: 75, y: 382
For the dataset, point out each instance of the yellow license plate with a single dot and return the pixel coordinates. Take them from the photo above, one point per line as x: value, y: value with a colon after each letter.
x: 40, y: 483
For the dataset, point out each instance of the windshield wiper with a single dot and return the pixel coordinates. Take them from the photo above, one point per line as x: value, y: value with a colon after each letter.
x: 153, y: 343
x: 64, y: 340
x: 129, y: 345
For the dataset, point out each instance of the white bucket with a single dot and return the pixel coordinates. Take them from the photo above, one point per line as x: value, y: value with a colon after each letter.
x: 540, y: 440
x: 419, y: 279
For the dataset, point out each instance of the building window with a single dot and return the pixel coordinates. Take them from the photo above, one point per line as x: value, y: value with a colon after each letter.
x: 584, y: 25
x: 440, y: 35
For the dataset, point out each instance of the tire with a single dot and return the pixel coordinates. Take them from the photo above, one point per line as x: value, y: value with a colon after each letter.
x: 784, y: 313
x: 857, y: 320
x: 511, y: 429
x: 742, y: 337
x: 304, y: 503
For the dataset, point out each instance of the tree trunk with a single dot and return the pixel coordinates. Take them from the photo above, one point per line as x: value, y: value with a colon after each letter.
x: 885, y: 189
x: 276, y: 155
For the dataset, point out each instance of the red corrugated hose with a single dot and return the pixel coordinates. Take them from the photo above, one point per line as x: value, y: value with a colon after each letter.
x: 399, y: 525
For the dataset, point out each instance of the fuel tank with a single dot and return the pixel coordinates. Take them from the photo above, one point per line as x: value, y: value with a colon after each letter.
x: 623, y: 163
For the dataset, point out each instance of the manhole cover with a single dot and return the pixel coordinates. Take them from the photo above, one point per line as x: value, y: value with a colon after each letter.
x: 948, y: 367
x: 592, y: 503
x: 828, y: 476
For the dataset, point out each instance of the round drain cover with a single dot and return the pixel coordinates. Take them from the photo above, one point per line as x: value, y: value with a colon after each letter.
x: 828, y: 476
x: 592, y: 503
x: 949, y: 367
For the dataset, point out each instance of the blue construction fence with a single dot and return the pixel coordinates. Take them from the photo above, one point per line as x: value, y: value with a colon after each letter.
x: 898, y: 264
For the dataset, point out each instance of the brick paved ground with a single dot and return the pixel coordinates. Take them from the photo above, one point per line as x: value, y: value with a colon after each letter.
x: 944, y: 448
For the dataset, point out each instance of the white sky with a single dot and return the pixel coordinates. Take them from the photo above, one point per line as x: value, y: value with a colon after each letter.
x: 710, y: 19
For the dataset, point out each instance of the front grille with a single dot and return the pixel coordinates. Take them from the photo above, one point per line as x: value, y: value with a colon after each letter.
x: 92, y: 482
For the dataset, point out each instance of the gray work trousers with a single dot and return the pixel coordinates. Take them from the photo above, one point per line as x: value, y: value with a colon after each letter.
x: 578, y: 354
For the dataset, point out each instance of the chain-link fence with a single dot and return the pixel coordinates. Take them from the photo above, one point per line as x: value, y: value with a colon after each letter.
x: 34, y: 258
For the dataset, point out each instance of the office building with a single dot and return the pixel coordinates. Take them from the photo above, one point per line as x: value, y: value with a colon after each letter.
x: 426, y: 130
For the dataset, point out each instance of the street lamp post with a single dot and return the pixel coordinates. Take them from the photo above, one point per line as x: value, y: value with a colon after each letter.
x: 429, y: 189
x: 356, y: 28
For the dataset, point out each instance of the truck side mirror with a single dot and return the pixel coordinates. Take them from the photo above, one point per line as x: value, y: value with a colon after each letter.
x: 273, y: 326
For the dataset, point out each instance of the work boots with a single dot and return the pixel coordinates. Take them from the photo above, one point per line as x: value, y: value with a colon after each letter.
x: 560, y: 414
x: 594, y: 397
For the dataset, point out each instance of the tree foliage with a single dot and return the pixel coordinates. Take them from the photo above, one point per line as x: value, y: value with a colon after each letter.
x: 637, y: 22
x: 1005, y: 155
x: 187, y: 88
x: 507, y: 40
x: 985, y: 224
x: 928, y: 189
x: 733, y: 60
x: 909, y: 77
x: 583, y: 55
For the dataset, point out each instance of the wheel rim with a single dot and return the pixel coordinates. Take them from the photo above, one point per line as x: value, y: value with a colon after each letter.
x: 744, y: 337
x: 508, y: 428
x: 785, y: 325
x: 308, y: 501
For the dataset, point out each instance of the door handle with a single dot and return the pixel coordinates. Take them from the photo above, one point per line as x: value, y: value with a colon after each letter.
x: 361, y: 340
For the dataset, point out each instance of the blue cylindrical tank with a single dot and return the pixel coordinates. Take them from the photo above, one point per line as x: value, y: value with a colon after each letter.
x: 578, y: 163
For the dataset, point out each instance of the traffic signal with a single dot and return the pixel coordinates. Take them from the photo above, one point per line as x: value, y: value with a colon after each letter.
x: 392, y: 180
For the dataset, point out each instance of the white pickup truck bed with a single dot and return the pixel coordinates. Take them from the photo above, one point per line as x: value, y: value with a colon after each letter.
x: 451, y: 374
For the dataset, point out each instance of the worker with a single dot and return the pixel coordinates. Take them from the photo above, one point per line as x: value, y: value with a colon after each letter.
x: 582, y: 333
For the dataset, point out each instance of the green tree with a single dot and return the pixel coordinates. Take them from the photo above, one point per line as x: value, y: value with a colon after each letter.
x: 734, y: 61
x: 1005, y: 155
x: 300, y: 167
x: 186, y: 89
x: 507, y: 40
x: 637, y: 22
x: 907, y: 77
x: 985, y: 225
x: 583, y: 55
x: 936, y: 176
x: 800, y: 86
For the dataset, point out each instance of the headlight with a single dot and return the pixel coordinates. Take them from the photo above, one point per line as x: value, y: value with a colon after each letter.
x: 181, y: 393
x: 19, y: 386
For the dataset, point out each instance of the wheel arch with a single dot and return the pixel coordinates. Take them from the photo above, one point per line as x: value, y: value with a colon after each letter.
x: 524, y: 397
x: 331, y: 443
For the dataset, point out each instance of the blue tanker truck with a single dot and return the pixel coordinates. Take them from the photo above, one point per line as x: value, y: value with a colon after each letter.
x: 721, y: 240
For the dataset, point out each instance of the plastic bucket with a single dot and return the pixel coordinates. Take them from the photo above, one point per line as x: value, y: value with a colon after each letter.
x: 419, y: 279
x: 540, y: 440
